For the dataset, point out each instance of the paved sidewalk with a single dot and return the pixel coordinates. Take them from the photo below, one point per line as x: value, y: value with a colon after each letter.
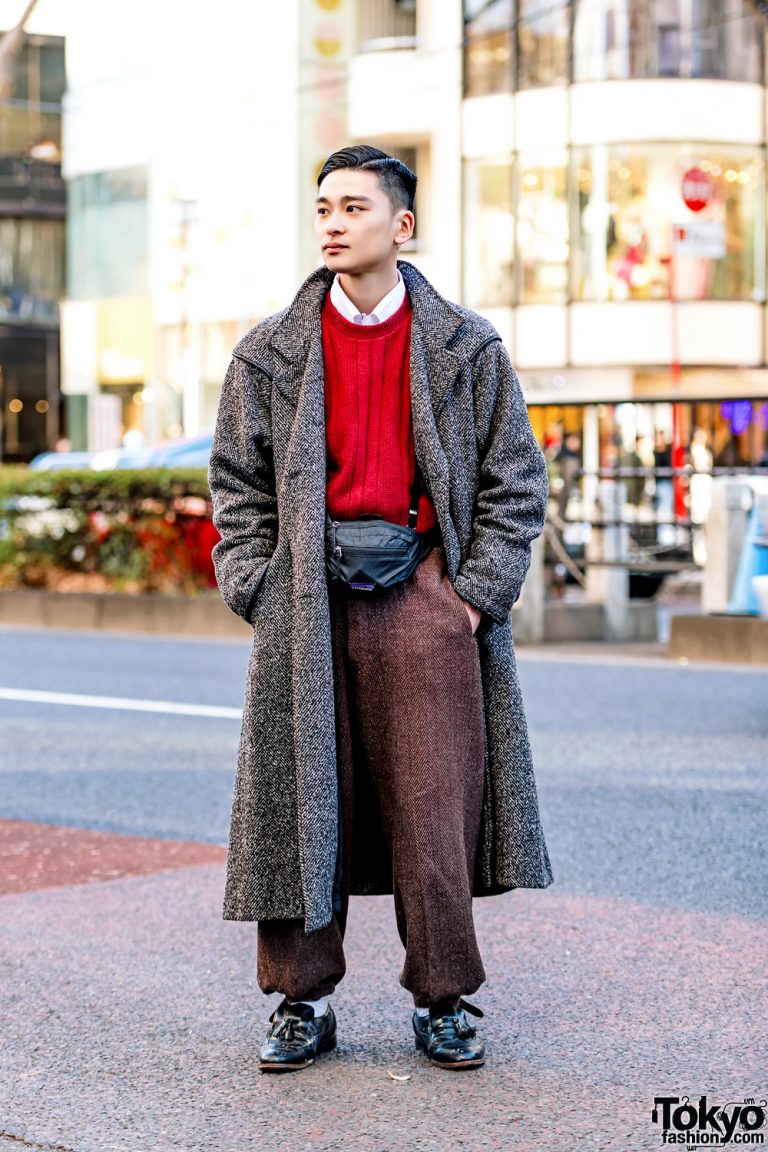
x: 131, y: 1019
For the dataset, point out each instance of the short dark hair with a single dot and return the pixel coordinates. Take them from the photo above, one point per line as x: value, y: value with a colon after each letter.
x: 395, y: 178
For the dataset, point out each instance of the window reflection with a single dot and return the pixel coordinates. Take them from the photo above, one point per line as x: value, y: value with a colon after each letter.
x: 488, y: 233
x: 542, y: 229
x: 488, y: 29
x: 542, y: 42
x: 31, y: 269
x: 628, y: 200
x: 627, y: 39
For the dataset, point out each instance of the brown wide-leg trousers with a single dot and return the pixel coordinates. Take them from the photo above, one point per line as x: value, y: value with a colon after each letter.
x: 409, y: 724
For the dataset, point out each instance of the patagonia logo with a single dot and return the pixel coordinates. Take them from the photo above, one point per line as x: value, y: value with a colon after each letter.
x: 361, y: 587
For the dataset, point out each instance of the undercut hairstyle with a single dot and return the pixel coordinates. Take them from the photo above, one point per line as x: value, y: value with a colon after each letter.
x: 395, y: 178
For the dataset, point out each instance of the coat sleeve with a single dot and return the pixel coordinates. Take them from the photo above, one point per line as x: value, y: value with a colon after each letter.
x: 242, y: 482
x: 511, y: 499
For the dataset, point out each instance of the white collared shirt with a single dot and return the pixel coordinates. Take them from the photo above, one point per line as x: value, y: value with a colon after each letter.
x: 383, y: 310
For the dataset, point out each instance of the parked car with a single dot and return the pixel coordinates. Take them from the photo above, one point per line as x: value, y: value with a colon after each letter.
x: 54, y: 461
x: 111, y: 458
x: 186, y: 452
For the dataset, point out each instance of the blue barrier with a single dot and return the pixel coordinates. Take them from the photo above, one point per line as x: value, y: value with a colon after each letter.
x: 753, y: 561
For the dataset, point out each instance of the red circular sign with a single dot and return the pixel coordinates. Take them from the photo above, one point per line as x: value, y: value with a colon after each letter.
x: 698, y: 189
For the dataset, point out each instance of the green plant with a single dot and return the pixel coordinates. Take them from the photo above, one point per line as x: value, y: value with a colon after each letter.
x: 143, y: 530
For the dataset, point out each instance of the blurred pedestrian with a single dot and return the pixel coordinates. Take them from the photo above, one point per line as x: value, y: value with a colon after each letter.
x: 664, y: 489
x: 568, y: 462
x: 631, y: 463
x: 377, y: 486
x: 699, y: 492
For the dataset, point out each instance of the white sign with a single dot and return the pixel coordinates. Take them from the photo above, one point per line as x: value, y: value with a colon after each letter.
x: 701, y: 239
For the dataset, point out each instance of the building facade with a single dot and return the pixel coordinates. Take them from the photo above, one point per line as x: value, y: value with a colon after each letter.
x: 560, y: 148
x: 32, y: 248
x: 190, y: 161
x: 610, y: 212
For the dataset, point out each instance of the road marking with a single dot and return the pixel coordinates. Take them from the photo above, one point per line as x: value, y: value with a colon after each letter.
x: 122, y: 703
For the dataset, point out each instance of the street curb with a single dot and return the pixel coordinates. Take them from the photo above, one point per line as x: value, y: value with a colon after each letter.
x: 205, y: 615
x: 725, y: 639
x: 208, y: 615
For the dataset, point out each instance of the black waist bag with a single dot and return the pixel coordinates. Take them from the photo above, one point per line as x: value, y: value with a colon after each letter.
x: 372, y: 553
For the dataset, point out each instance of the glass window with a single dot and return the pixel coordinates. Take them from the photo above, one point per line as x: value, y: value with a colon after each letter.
x: 26, y: 131
x: 488, y: 30
x: 31, y: 269
x: 38, y: 73
x: 488, y: 233
x: 53, y: 79
x: 629, y: 198
x: 107, y: 250
x: 382, y: 24
x: 30, y: 122
x: 542, y: 42
x: 625, y: 39
x: 29, y: 377
x: 601, y: 40
x: 542, y: 229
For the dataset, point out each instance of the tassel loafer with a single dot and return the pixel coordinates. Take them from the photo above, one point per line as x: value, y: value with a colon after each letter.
x: 295, y: 1037
x: 447, y: 1036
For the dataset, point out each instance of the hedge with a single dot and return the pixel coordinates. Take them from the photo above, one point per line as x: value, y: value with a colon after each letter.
x: 145, y: 530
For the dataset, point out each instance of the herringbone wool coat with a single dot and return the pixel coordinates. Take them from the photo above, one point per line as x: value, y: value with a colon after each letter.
x: 487, y: 480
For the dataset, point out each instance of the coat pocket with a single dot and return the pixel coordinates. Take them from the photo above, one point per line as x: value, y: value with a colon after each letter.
x: 459, y: 603
x: 255, y: 595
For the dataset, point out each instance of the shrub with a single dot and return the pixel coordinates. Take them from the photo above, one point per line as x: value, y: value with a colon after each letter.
x: 145, y: 530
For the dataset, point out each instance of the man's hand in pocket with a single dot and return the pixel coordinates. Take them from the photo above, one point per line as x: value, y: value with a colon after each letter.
x: 475, y: 615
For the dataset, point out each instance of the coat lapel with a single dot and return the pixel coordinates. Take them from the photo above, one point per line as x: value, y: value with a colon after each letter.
x: 439, y: 350
x: 298, y: 377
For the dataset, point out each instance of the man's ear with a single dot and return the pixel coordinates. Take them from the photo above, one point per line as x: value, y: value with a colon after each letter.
x: 407, y: 224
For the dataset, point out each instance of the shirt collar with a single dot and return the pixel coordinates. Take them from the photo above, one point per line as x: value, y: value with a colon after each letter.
x: 385, y: 308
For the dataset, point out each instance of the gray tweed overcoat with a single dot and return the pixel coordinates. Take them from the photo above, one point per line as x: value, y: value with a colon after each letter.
x: 487, y: 480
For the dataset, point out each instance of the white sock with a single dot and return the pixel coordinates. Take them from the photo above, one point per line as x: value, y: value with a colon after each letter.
x: 319, y: 1007
x: 422, y: 1011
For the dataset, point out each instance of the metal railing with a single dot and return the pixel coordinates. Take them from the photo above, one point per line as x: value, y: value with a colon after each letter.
x: 598, y: 527
x: 28, y: 184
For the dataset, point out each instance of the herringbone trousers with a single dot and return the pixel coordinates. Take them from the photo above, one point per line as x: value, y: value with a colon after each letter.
x: 409, y: 723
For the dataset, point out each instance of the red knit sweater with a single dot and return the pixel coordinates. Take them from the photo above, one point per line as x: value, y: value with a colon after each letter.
x: 371, y: 458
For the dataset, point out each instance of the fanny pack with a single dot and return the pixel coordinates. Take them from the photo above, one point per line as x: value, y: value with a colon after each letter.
x: 372, y: 553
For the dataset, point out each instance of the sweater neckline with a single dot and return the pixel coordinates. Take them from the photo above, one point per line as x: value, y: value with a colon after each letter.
x: 353, y: 331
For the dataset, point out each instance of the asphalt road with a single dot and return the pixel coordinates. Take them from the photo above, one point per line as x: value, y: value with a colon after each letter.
x: 133, y: 1011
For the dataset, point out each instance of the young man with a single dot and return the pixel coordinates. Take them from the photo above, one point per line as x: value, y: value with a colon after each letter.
x: 383, y: 745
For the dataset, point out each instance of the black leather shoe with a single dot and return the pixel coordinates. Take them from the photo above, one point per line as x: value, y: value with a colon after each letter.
x: 296, y: 1036
x: 447, y: 1036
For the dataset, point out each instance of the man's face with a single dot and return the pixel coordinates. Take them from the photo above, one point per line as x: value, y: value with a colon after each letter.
x: 355, y: 225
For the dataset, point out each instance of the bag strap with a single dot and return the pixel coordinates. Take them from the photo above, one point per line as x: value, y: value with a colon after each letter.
x: 413, y: 509
x: 413, y: 505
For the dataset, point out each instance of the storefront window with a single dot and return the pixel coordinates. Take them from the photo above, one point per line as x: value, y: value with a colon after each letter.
x: 542, y: 229
x: 629, y: 198
x: 107, y: 250
x: 488, y: 30
x: 625, y: 39
x: 542, y: 42
x: 488, y: 233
